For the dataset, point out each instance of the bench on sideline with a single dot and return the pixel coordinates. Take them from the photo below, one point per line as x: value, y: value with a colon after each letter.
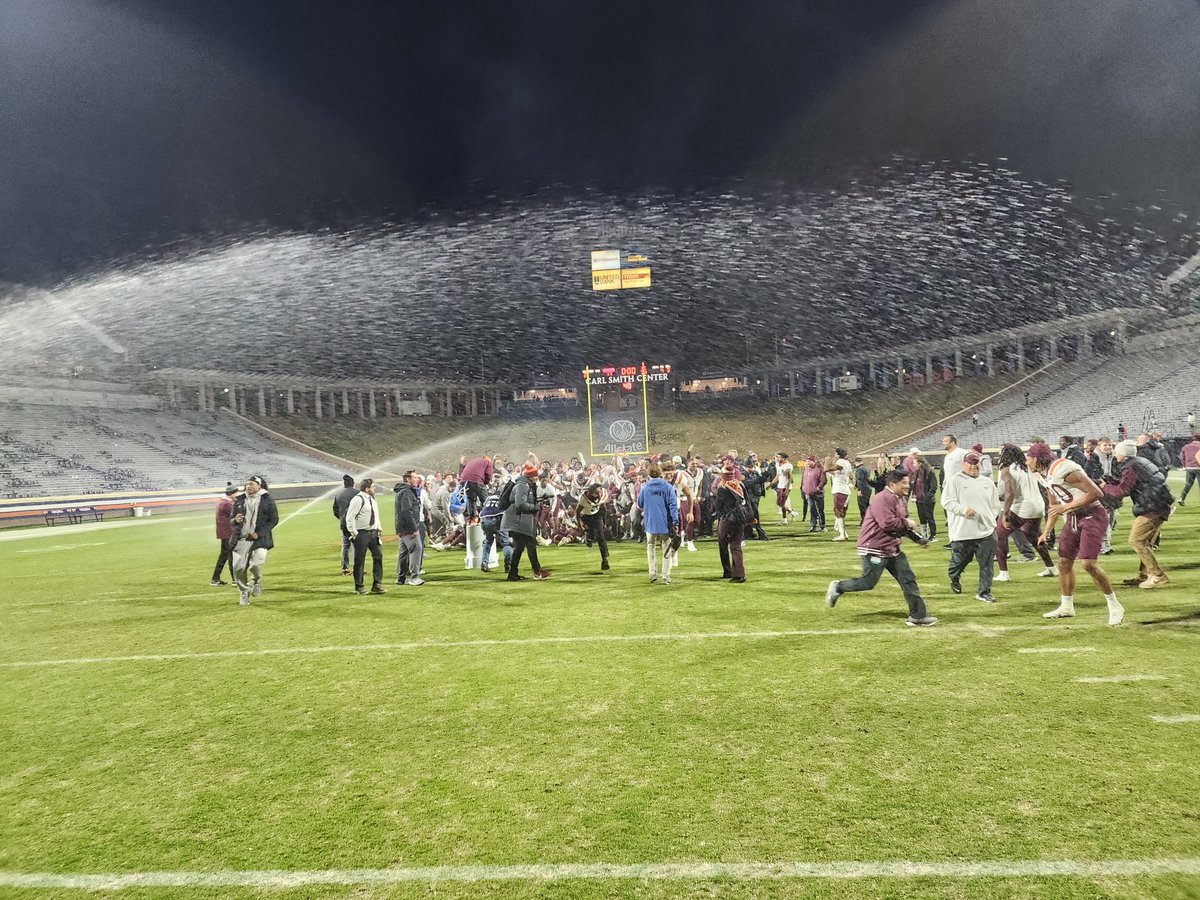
x: 73, y: 515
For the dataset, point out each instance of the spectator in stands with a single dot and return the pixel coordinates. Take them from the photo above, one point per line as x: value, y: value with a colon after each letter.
x: 409, y: 517
x: 254, y: 519
x: 519, y: 521
x: 972, y: 501
x: 1189, y: 458
x: 224, y: 533
x: 340, y: 501
x: 1141, y: 481
x: 879, y: 541
x: 364, y: 525
x: 1191, y: 420
x: 1075, y: 498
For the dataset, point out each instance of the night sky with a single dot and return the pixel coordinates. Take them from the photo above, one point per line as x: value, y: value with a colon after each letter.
x: 131, y: 125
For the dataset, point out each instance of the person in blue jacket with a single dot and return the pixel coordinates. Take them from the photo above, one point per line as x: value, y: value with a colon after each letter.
x: 660, y: 518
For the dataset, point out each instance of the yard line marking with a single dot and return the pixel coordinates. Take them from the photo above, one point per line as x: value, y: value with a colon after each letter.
x: 28, y: 535
x: 1117, y: 679
x: 57, y: 547
x: 545, y: 872
x: 1177, y: 720
x: 483, y: 642
x: 1056, y: 650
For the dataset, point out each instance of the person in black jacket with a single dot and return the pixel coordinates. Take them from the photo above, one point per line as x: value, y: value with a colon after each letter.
x: 408, y: 531
x: 862, y: 487
x: 754, y: 486
x: 254, y: 518
x: 731, y: 528
x: 340, y: 501
x: 1140, y: 480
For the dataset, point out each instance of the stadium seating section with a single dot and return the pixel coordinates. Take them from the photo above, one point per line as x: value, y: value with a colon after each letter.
x: 50, y: 451
x: 1142, y: 390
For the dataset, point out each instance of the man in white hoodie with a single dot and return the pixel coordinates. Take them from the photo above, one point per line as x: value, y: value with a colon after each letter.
x: 972, y: 508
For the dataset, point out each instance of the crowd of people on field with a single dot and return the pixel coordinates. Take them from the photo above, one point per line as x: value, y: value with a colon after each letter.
x: 501, y: 512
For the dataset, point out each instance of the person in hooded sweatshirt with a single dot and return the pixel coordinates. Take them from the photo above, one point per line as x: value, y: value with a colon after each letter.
x: 340, y: 501
x: 254, y: 518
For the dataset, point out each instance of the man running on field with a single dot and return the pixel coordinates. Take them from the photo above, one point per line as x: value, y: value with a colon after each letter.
x: 1075, y: 498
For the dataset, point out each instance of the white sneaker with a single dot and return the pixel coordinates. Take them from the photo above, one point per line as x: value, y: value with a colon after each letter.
x: 415, y: 581
x: 257, y: 589
x: 691, y: 546
x: 1063, y: 612
x: 1001, y: 576
x: 245, y: 601
x: 1051, y: 572
x: 840, y: 537
x: 832, y: 594
x: 1116, y: 614
x: 1154, y: 581
x: 665, y: 580
x: 654, y: 579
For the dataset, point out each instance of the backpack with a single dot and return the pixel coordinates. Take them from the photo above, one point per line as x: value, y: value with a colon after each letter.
x: 458, y: 500
x: 741, y: 513
x: 506, y: 495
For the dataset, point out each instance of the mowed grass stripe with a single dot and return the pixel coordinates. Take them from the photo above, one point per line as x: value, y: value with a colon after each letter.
x: 409, y: 646
x: 684, y: 871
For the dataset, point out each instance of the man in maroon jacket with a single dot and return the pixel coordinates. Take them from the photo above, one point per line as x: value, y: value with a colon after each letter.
x: 224, y: 533
x: 879, y: 539
x: 1189, y: 457
x: 475, y: 475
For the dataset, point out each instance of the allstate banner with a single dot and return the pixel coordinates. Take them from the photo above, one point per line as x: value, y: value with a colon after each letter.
x: 618, y: 432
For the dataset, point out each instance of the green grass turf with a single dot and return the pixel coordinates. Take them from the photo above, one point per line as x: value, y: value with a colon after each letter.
x: 934, y: 745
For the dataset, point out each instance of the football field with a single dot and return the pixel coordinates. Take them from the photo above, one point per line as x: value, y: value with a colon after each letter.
x: 593, y: 735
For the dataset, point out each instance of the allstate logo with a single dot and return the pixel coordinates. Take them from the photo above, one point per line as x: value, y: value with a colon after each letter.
x: 622, y: 431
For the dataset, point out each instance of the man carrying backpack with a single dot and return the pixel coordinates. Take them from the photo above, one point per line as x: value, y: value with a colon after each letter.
x: 733, y: 514
x: 1143, y: 482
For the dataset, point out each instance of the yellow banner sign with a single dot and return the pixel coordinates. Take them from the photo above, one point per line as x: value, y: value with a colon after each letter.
x: 606, y: 280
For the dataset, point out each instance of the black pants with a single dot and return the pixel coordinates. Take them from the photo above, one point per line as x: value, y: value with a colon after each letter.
x: 364, y: 541
x: 754, y: 526
x: 873, y: 566
x: 522, y: 543
x: 729, y: 548
x: 595, y: 527
x: 983, y: 550
x: 225, y: 559
x: 816, y: 518
x: 475, y: 497
x: 864, y: 500
x: 925, y: 516
x: 1193, y: 476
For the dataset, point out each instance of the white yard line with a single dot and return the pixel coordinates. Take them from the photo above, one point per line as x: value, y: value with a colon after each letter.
x: 1056, y: 650
x: 1118, y: 679
x: 407, y: 646
x: 662, y: 871
x: 67, y: 531
x: 1177, y: 720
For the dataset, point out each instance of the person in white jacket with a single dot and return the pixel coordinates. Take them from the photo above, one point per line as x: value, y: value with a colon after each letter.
x: 972, y: 508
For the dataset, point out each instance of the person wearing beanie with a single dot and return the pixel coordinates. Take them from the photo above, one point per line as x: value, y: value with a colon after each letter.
x: 1076, y: 499
x: 254, y: 517
x: 973, y: 508
x: 841, y: 474
x: 1143, y: 482
x: 341, y: 500
x: 519, y: 520
x: 224, y: 533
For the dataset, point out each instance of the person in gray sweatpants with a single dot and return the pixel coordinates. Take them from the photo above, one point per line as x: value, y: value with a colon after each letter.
x: 408, y: 531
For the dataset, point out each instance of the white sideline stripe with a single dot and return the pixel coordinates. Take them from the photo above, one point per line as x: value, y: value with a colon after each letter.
x: 485, y: 642
x: 1056, y: 650
x: 1116, y: 679
x: 33, y: 534
x: 1177, y: 720
x: 695, y: 871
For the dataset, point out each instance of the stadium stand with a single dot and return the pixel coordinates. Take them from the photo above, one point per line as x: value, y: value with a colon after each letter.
x: 48, y: 451
x: 1143, y: 389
